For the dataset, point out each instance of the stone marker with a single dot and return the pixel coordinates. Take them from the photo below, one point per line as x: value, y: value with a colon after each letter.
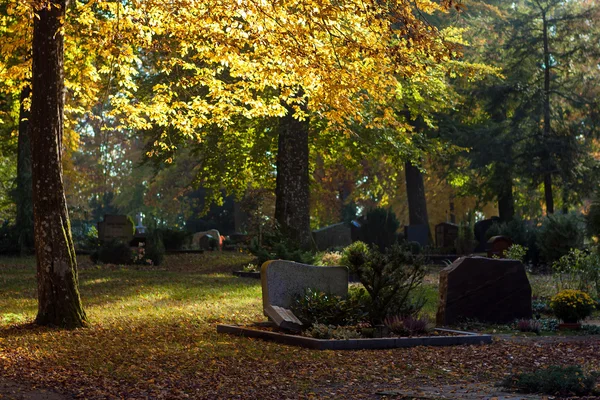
x: 283, y: 281
x: 337, y: 235
x: 199, y: 243
x: 486, y: 289
x: 497, y: 246
x: 446, y: 234
x: 115, y: 227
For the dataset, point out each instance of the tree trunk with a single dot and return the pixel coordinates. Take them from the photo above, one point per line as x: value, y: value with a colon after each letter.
x: 506, y: 201
x: 415, y: 192
x: 292, y: 205
x: 546, y: 163
x: 548, y: 194
x: 24, y: 201
x: 58, y: 295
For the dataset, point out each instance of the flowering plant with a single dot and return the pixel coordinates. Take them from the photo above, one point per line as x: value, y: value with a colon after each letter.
x: 572, y: 305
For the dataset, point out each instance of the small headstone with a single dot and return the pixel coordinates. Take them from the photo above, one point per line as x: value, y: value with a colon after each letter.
x: 497, y: 246
x: 446, y: 234
x: 115, y: 227
x: 283, y: 281
x: 199, y: 241
x: 417, y: 233
x: 337, y: 235
x: 485, y: 289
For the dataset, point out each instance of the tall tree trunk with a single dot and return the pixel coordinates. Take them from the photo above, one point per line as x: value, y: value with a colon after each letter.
x: 24, y: 201
x: 58, y: 295
x: 415, y: 192
x: 292, y: 204
x: 506, y: 201
x: 546, y: 163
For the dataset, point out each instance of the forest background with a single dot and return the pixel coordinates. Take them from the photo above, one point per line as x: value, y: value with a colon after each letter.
x: 505, y: 124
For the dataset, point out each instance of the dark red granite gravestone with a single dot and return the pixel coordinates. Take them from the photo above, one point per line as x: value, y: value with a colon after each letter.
x: 485, y: 289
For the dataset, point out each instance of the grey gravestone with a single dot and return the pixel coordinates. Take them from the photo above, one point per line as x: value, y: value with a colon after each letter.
x: 337, y: 235
x: 485, y: 289
x: 115, y: 227
x: 283, y: 281
x: 417, y: 233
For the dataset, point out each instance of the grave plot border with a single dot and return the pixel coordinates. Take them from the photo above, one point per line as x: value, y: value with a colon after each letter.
x: 462, y: 338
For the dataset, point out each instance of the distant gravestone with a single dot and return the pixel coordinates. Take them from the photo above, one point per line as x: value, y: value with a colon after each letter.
x: 497, y: 246
x: 283, y: 281
x: 446, y: 234
x: 417, y: 233
x: 338, y: 235
x: 485, y: 289
x: 116, y: 227
x: 201, y: 240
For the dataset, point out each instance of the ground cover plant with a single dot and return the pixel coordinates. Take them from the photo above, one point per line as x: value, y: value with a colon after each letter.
x: 555, y: 380
x: 152, y: 335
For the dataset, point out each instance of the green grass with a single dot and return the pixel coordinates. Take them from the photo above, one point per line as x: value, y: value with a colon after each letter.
x: 113, y: 293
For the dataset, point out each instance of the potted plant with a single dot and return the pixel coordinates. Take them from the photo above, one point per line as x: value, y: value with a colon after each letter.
x: 572, y: 306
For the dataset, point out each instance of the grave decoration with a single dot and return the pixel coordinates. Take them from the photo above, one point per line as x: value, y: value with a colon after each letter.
x: 283, y: 281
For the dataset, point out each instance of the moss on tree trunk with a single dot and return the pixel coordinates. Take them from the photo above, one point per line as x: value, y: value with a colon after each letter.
x: 59, y: 303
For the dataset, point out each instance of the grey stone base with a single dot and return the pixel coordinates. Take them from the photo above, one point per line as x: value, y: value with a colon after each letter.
x: 358, y: 344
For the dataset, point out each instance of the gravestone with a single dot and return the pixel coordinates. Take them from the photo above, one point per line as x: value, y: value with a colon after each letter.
x: 417, y: 233
x: 337, y: 235
x: 199, y: 241
x: 446, y: 234
x: 485, y: 289
x: 497, y: 246
x: 115, y: 227
x: 283, y: 281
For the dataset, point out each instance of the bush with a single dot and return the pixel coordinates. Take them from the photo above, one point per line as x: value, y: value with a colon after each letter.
x: 316, y: 307
x: 322, y: 331
x: 465, y: 241
x: 529, y: 325
x: 521, y: 233
x: 559, y: 234
x: 554, y: 380
x: 578, y: 270
x: 9, y: 239
x: 592, y: 218
x: 406, y: 326
x: 174, y: 239
x: 389, y: 278
x: 113, y: 252
x: 329, y: 259
x: 155, y: 248
x: 572, y: 305
x: 276, y: 246
x: 516, y: 252
x: 379, y: 228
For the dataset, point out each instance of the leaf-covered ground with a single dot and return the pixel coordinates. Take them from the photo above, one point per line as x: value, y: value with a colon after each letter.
x: 152, y: 335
